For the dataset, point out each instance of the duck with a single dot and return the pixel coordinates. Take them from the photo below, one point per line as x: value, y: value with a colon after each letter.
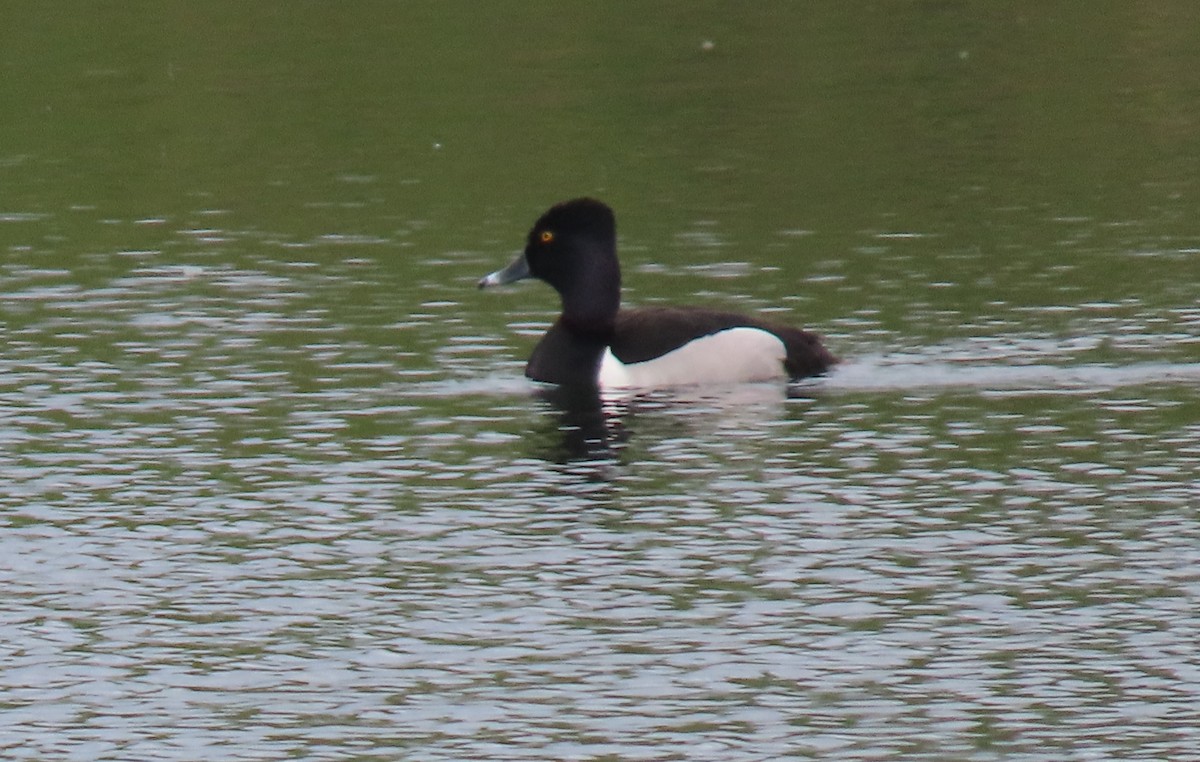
x: 596, y: 343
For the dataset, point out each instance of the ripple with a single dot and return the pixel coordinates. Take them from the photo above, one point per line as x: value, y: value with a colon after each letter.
x: 244, y: 517
x: 899, y: 372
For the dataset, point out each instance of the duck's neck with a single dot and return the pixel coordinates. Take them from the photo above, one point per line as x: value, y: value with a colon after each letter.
x: 566, y: 355
x: 591, y: 303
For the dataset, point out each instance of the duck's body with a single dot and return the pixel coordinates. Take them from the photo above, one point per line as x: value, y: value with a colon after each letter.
x: 573, y: 248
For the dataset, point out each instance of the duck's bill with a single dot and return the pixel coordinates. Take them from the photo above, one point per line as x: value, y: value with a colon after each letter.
x: 516, y: 271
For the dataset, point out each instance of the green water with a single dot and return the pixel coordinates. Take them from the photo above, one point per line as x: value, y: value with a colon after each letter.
x: 272, y: 485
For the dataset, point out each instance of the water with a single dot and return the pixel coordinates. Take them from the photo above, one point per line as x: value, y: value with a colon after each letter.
x: 273, y: 485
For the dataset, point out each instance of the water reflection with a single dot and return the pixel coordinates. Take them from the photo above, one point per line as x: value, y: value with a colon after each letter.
x: 581, y: 425
x: 233, y: 507
x: 587, y: 424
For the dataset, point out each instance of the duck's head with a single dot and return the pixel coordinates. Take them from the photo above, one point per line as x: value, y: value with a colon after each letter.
x: 573, y: 247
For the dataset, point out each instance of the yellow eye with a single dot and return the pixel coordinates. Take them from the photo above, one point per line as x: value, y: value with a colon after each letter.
x: 547, y: 236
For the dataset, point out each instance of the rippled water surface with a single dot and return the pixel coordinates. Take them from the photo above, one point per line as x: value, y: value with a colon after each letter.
x: 273, y: 485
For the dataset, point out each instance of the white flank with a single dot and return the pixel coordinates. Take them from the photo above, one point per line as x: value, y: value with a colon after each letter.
x: 735, y: 355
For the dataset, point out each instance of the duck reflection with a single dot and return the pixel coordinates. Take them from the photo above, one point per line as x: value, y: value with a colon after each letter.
x: 587, y: 424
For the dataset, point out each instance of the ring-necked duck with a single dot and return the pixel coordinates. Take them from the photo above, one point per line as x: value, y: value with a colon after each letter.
x: 573, y: 247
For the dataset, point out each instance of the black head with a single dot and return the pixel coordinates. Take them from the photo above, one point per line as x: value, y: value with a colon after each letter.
x: 573, y: 247
x: 573, y: 243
